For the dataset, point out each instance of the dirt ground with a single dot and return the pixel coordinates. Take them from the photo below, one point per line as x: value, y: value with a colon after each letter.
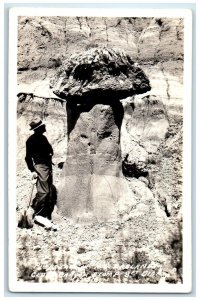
x: 114, y: 252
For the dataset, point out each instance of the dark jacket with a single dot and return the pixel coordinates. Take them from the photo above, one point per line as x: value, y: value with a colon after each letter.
x: 38, y: 151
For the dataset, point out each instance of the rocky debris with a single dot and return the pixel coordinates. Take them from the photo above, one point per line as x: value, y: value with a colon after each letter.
x: 102, y: 252
x: 36, y: 248
x: 81, y: 250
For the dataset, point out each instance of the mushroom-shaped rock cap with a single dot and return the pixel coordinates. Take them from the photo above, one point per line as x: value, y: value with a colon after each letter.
x: 99, y: 72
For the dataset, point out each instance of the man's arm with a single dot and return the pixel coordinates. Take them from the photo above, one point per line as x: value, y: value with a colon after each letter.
x: 28, y: 157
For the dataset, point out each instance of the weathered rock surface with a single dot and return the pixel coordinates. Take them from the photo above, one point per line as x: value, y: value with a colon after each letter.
x: 93, y: 160
x: 148, y: 40
x: 102, y: 72
x: 143, y: 129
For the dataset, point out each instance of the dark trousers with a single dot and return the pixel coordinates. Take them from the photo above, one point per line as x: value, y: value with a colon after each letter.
x: 42, y: 203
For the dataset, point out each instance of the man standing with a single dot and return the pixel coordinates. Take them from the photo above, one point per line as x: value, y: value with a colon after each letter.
x: 39, y: 154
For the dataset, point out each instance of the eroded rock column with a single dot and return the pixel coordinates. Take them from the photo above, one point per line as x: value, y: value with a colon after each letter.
x: 93, y: 159
x: 93, y: 83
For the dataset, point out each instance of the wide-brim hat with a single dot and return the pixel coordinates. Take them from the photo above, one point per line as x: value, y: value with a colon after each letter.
x: 36, y: 123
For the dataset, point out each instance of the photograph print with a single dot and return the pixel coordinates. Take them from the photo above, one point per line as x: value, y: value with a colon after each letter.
x: 99, y: 183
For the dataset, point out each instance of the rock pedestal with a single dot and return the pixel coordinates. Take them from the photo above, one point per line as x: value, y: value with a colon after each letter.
x: 93, y: 83
x: 93, y: 162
